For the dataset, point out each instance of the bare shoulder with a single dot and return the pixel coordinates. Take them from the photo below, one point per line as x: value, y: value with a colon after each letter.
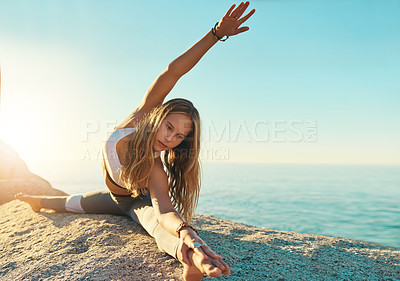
x: 132, y: 120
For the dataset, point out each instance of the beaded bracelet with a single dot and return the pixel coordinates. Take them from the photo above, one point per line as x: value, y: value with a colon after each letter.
x: 182, y: 225
x: 216, y: 36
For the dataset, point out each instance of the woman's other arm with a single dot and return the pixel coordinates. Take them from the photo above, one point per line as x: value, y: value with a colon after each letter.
x: 169, y: 218
x: 229, y: 25
x: 164, y: 83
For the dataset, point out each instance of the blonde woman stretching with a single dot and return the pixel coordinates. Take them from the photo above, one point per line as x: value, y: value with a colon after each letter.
x: 158, y: 190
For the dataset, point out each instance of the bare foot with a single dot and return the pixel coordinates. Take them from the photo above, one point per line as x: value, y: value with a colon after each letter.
x: 200, y: 266
x: 191, y: 273
x: 33, y: 201
x: 212, y: 267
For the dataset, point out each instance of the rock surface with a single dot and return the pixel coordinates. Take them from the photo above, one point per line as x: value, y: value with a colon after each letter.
x: 33, y: 185
x: 11, y: 165
x: 51, y: 246
x: 15, y: 177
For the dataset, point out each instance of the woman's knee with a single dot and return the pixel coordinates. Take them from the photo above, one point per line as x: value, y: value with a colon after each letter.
x: 73, y: 204
x: 99, y: 202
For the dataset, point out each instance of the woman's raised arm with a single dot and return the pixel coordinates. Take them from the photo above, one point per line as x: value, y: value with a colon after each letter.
x: 229, y: 25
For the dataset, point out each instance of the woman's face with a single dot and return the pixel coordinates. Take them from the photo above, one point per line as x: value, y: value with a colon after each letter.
x: 173, y: 130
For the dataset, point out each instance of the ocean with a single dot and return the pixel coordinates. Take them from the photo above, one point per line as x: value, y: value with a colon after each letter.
x: 354, y: 201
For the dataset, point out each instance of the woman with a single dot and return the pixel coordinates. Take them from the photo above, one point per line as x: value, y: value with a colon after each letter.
x: 160, y: 194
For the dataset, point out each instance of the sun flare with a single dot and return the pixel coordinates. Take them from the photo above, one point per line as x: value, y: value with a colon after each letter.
x: 24, y: 126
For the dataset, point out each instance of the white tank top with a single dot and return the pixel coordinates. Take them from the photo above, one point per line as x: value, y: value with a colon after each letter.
x: 110, y: 155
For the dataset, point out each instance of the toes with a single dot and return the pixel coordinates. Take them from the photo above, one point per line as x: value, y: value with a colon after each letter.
x: 18, y: 195
x: 216, y: 272
x: 226, y: 270
x: 212, y: 270
x: 26, y: 198
x: 219, y: 264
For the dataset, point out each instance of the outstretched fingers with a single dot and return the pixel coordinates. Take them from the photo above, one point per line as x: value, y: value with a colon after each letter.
x: 247, y: 16
x: 222, y: 266
x: 238, y: 12
x: 230, y: 10
x: 242, y: 20
x: 240, y: 30
x: 231, y: 23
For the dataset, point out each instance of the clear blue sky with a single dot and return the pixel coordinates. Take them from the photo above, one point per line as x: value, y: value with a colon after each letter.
x: 311, y: 82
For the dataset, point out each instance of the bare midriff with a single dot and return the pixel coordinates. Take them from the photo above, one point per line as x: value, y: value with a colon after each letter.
x: 114, y: 188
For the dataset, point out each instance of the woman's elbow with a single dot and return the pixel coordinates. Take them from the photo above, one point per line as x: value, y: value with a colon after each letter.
x: 165, y: 219
x: 174, y: 70
x: 162, y: 220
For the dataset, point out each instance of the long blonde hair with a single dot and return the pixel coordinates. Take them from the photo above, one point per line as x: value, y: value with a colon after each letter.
x: 181, y: 163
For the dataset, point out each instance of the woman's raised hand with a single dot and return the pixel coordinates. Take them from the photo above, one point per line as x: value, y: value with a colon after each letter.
x: 230, y: 23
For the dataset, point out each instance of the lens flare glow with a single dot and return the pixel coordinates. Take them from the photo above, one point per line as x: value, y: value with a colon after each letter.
x: 24, y: 125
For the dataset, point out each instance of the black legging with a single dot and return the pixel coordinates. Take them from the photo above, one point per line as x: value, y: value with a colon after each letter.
x: 139, y: 209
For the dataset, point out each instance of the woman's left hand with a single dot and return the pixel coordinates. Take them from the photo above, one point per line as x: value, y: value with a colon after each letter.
x: 230, y: 23
x: 190, y: 240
